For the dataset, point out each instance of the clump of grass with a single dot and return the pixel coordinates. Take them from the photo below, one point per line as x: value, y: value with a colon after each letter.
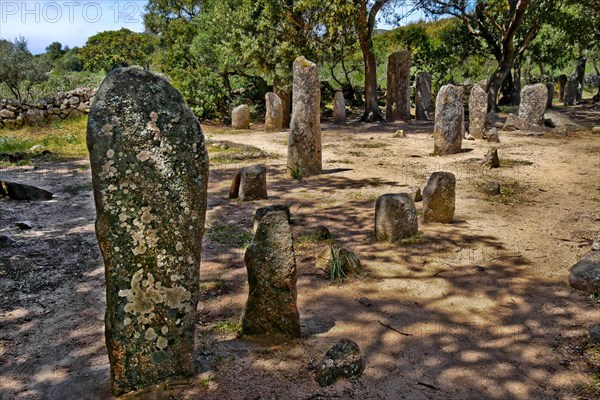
x: 371, y: 145
x: 593, y: 298
x: 226, y: 327
x: 591, y: 357
x: 511, y: 192
x: 357, y: 153
x: 336, y: 267
x: 228, y: 235
x: 296, y: 173
x: 416, y: 239
x: 207, y: 381
x: 511, y: 162
x: 66, y: 139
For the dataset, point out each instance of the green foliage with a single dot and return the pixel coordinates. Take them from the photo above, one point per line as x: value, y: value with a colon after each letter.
x: 114, y: 49
x: 55, y: 51
x: 20, y: 71
x: 336, y: 267
x: 70, y: 61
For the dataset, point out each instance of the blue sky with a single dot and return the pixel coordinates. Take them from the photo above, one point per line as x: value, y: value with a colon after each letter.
x: 72, y: 22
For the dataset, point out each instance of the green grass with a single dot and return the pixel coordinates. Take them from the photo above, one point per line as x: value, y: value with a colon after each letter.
x: 336, y: 267
x: 226, y: 327
x: 66, y: 139
x: 591, y: 357
x: 418, y: 238
x: 228, y: 235
x: 357, y: 153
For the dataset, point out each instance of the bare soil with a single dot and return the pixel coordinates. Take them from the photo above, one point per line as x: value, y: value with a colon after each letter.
x: 476, y: 309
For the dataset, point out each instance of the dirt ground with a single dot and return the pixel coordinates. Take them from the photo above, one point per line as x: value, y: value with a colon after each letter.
x: 476, y: 309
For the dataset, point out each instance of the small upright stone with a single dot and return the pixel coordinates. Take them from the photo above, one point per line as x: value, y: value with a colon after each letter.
x: 341, y: 361
x: 449, y: 120
x: 284, y: 91
x: 478, y: 104
x: 533, y: 103
x: 240, y: 117
x: 304, y: 142
x: 398, y: 86
x: 562, y: 83
x: 416, y: 193
x: 274, y: 113
x: 395, y: 217
x: 271, y: 308
x: 439, y: 198
x: 261, y: 212
x: 492, y: 136
x: 339, y: 108
x: 550, y: 88
x: 253, y: 183
x: 491, y: 159
x: 570, y: 96
x: 149, y: 175
x: 423, y: 96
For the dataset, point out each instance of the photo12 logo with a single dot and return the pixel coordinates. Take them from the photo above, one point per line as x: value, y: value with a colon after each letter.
x: 71, y: 11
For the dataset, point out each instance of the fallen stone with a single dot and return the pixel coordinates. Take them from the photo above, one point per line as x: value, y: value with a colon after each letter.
x: 514, y: 123
x: 553, y: 119
x: 491, y: 188
x: 24, y: 225
x: 343, y: 360
x: 439, y: 198
x: 19, y: 191
x: 338, y: 261
x: 7, y: 241
x: 585, y: 274
x: 491, y: 159
x: 261, y: 212
x: 395, y: 217
x: 271, y: 308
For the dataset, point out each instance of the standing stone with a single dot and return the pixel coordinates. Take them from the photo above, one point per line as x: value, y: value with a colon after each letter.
x: 449, y: 120
x: 478, y: 103
x: 285, y: 94
x: 339, y: 108
x: 571, y: 92
x: 304, y: 143
x: 533, y: 103
x: 253, y: 183
x: 579, y: 76
x: 274, y: 113
x: 492, y: 136
x: 423, y: 96
x: 240, y: 117
x: 562, y: 82
x: 398, y: 86
x: 271, y: 308
x: 550, y: 88
x: 491, y: 158
x: 149, y: 175
x: 439, y: 198
x: 395, y: 217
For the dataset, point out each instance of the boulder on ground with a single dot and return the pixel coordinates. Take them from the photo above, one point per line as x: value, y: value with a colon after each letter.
x: 343, y: 360
x: 533, y: 103
x: 514, y: 123
x: 492, y: 136
x: 20, y: 191
x: 439, y: 198
x: 585, y: 274
x: 491, y: 159
x: 240, y: 117
x: 395, y: 217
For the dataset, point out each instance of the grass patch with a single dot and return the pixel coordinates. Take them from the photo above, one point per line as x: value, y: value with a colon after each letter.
x: 344, y: 161
x: 416, y: 239
x: 593, y: 298
x: 230, y: 152
x: 591, y: 357
x: 226, y: 327
x: 66, y: 139
x: 357, y: 153
x: 371, y: 145
x: 229, y: 235
x: 511, y: 192
x: 511, y: 162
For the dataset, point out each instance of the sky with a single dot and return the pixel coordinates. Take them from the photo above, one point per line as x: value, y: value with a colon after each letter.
x: 72, y: 22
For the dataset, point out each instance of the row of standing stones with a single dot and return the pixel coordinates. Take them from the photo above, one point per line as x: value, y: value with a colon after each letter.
x: 15, y: 114
x: 149, y: 174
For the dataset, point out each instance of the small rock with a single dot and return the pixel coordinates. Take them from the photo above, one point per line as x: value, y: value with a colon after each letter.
x: 400, y: 134
x: 341, y: 361
x: 491, y: 188
x: 585, y: 274
x: 468, y: 136
x: 478, y: 268
x: 514, y: 123
x: 417, y: 195
x: 492, y: 136
x: 596, y: 129
x: 7, y: 241
x: 596, y: 244
x: 38, y: 148
x: 595, y: 334
x: 24, y: 225
x: 321, y: 233
x: 491, y: 158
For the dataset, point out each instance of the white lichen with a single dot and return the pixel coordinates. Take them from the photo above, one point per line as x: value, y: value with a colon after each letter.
x: 161, y: 343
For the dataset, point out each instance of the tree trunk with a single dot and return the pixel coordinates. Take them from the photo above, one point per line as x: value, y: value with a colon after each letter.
x: 516, y: 78
x: 496, y: 80
x: 580, y: 77
x: 372, y: 112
